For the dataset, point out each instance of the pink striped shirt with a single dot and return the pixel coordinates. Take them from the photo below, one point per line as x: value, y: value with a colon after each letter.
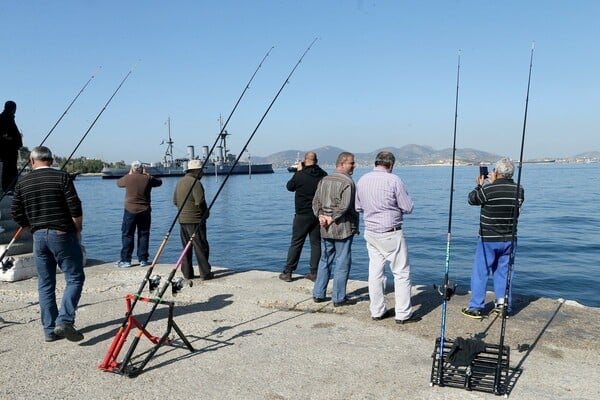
x: 383, y: 200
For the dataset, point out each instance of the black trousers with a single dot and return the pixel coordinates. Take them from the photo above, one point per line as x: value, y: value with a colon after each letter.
x: 304, y: 225
x: 200, y: 247
x: 9, y: 171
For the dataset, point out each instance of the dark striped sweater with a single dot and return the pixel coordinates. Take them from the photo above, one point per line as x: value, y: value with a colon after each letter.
x: 497, y: 201
x: 46, y: 198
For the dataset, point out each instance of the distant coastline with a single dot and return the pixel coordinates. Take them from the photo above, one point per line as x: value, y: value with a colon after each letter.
x: 444, y: 163
x: 448, y: 163
x: 408, y: 155
x: 417, y: 155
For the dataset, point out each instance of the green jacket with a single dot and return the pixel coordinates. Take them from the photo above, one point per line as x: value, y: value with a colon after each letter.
x: 195, y: 209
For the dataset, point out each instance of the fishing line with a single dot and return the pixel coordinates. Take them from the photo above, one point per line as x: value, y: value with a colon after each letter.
x: 447, y: 289
x: 163, y: 288
x: 179, y: 210
x: 258, y: 125
x: 514, y: 233
x: 14, y: 181
x: 119, y: 339
x: 20, y: 230
x: 96, y: 119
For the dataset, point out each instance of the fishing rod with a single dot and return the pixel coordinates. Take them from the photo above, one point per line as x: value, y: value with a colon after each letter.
x: 163, y: 288
x: 14, y: 181
x: 258, y: 125
x: 513, y: 239
x: 20, y: 230
x: 448, y: 288
x: 97, y: 117
x: 119, y: 339
x: 205, y: 161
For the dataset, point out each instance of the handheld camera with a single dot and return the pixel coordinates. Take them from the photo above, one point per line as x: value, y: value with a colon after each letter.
x: 483, y: 171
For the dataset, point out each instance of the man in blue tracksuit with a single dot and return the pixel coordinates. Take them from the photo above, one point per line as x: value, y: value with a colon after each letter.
x: 497, y: 227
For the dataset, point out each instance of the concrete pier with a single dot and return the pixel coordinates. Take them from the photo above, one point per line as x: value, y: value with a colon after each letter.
x: 256, y: 337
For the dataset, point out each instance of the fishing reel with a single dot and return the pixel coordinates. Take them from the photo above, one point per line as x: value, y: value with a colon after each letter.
x: 154, y: 282
x: 447, y: 289
x: 178, y: 284
x: 7, y: 264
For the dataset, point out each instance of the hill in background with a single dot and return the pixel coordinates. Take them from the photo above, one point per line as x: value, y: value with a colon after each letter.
x: 413, y: 154
x: 588, y: 156
x: 410, y: 154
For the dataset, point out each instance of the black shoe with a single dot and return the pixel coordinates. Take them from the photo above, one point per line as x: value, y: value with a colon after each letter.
x: 319, y: 299
x: 68, y: 331
x: 345, y: 302
x: 413, y: 318
x: 474, y: 313
x: 207, y: 277
x: 285, y: 276
x: 311, y: 276
x: 52, y: 338
x: 386, y: 314
x: 188, y: 282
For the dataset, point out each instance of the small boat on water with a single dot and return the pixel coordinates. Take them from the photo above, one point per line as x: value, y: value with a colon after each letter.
x: 221, y: 163
x: 293, y: 167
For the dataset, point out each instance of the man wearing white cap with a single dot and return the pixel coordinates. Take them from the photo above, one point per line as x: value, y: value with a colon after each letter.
x: 138, y: 184
x: 192, y: 219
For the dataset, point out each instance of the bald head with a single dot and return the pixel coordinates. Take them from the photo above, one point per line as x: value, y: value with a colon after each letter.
x: 310, y: 158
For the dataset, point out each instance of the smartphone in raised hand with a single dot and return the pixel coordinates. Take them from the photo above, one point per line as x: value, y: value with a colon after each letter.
x: 483, y: 171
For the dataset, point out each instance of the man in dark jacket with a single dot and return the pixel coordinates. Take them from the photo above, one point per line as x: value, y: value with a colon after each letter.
x: 10, y: 143
x: 304, y: 184
x: 137, y: 214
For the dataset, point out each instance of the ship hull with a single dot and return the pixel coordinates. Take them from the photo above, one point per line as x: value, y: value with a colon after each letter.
x: 240, y: 169
x: 162, y: 172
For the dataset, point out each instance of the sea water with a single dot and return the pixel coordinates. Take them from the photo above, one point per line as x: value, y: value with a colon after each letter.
x: 249, y: 227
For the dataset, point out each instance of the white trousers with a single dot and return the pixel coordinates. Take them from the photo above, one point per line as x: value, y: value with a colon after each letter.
x: 388, y: 247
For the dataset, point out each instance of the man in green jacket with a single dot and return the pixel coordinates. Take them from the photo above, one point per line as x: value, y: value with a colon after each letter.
x: 192, y: 218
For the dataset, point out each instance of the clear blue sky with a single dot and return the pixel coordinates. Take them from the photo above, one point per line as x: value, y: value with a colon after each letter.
x: 382, y: 74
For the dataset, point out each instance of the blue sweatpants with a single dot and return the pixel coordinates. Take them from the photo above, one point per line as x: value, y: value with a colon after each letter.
x: 490, y: 258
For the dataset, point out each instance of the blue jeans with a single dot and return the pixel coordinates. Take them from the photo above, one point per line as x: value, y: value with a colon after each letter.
x: 490, y: 258
x: 336, y: 258
x: 131, y: 221
x: 51, y: 247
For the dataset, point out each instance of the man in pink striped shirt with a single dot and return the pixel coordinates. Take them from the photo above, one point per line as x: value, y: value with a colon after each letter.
x: 383, y: 200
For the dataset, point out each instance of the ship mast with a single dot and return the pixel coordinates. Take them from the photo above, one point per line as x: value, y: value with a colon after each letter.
x: 223, y: 138
x: 168, y: 159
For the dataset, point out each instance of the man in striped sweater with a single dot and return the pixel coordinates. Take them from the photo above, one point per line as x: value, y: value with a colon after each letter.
x: 497, y: 229
x: 46, y: 203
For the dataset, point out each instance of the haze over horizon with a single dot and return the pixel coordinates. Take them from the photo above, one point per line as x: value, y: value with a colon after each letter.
x: 382, y: 73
